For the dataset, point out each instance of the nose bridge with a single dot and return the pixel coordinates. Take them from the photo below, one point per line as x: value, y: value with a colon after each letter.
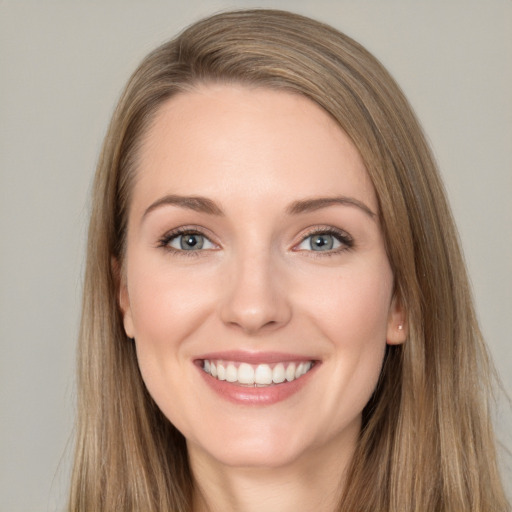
x: 254, y: 297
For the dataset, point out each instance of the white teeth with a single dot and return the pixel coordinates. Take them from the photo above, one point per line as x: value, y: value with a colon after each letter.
x: 256, y: 375
x: 245, y: 374
x: 278, y: 375
x: 263, y: 374
x: 290, y: 372
x: 231, y: 373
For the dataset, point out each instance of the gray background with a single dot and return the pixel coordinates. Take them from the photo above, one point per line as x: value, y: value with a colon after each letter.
x: 62, y: 66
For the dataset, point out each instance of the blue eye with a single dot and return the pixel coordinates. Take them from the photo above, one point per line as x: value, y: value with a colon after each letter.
x: 323, y: 242
x: 326, y: 241
x: 188, y: 241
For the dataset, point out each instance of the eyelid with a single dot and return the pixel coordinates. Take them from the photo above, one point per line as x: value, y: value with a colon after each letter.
x: 345, y: 239
x: 163, y: 241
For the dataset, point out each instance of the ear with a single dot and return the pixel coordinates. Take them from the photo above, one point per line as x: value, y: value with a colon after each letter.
x: 397, y: 322
x: 123, y: 298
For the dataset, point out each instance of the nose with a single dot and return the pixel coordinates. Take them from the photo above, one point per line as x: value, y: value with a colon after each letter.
x: 255, y: 299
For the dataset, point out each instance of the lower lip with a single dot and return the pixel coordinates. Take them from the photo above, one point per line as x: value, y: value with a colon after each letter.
x: 268, y: 395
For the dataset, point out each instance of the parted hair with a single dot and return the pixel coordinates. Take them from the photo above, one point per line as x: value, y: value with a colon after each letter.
x: 426, y: 442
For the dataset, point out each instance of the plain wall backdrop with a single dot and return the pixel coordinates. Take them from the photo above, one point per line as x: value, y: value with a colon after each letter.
x: 62, y: 67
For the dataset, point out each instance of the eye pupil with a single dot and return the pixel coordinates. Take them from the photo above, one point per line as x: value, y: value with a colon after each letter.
x: 191, y: 241
x: 322, y: 242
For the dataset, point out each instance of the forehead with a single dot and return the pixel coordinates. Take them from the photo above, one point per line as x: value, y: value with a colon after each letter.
x: 252, y: 143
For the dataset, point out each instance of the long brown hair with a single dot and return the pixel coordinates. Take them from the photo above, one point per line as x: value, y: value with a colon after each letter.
x: 427, y: 442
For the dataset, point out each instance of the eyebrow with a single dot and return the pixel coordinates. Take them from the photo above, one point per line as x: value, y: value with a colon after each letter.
x: 205, y: 205
x: 198, y: 204
x: 309, y: 205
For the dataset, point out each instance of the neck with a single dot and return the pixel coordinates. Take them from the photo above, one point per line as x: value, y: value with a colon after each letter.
x: 313, y: 482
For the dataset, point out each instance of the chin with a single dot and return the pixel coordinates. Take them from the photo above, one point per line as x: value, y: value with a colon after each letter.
x: 258, y: 447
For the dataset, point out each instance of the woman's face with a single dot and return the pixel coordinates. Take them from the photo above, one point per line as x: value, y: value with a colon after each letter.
x: 256, y: 283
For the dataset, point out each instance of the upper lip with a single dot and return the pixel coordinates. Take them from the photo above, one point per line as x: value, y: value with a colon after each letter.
x: 254, y: 357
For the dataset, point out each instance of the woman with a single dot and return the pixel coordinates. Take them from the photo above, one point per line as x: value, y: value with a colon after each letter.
x: 276, y: 312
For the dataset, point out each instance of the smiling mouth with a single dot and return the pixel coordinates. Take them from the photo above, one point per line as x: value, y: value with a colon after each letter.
x: 256, y: 375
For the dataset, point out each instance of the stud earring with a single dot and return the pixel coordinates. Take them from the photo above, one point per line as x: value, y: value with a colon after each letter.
x: 400, y: 327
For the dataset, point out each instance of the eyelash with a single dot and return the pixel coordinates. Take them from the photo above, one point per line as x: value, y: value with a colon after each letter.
x: 346, y: 241
x: 171, y: 235
x: 341, y: 236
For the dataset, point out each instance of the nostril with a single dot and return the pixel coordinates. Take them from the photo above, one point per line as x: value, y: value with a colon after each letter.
x: 254, y: 304
x: 252, y: 326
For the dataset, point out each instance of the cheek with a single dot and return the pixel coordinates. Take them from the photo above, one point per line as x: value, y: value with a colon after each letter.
x: 353, y: 307
x: 169, y: 308
x: 167, y: 305
x: 352, y: 313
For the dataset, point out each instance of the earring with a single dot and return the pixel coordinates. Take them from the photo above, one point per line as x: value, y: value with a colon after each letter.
x: 400, y: 327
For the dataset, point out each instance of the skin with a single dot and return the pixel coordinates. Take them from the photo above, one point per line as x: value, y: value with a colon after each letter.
x: 258, y: 286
